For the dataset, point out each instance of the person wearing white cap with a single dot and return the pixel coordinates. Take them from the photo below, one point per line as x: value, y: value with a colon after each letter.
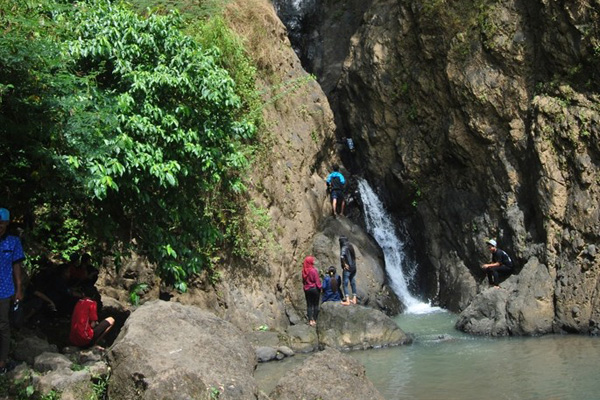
x: 11, y: 258
x: 501, y: 263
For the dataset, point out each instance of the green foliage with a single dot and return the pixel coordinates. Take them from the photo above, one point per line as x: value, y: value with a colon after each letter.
x: 100, y: 387
x: 77, y: 367
x: 233, y: 58
x: 191, y: 10
x: 51, y: 395
x: 136, y: 291
x: 214, y: 393
x: 416, y: 193
x: 121, y: 132
x: 18, y: 389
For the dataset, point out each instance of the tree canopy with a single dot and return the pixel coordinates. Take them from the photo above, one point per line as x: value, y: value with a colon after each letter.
x: 119, y: 131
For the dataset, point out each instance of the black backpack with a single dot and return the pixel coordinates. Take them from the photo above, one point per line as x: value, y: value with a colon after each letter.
x: 336, y: 183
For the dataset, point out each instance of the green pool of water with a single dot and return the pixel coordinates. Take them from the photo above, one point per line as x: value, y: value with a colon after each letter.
x: 443, y: 363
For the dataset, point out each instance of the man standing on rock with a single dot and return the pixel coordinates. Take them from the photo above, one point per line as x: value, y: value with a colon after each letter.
x: 11, y: 258
x: 501, y: 263
x: 348, y: 261
x: 335, y: 185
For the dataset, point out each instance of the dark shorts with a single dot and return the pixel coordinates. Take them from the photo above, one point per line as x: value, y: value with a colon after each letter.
x: 99, y: 330
x: 337, y: 194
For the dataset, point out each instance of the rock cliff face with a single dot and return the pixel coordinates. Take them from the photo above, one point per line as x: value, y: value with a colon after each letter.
x: 477, y: 120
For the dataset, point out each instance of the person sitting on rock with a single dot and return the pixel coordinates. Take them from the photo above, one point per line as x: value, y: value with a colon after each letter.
x: 348, y: 262
x: 332, y: 286
x: 501, y: 263
x: 86, y: 331
x: 312, y: 289
x: 335, y: 185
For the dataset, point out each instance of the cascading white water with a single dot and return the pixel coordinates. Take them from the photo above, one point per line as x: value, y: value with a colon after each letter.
x: 380, y: 226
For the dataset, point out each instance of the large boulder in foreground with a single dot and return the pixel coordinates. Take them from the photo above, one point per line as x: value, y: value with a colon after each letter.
x: 170, y: 351
x: 523, y: 305
x: 357, y: 327
x: 326, y: 375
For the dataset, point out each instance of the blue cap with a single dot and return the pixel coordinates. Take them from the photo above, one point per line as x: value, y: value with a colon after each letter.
x: 4, y: 214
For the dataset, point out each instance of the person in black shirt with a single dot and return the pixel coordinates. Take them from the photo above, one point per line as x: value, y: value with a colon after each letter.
x: 348, y: 262
x: 501, y: 263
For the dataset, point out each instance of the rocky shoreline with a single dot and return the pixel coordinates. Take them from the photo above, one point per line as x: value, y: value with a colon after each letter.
x: 169, y: 350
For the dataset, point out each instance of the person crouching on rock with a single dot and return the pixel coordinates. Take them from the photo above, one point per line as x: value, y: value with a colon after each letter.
x: 501, y: 263
x: 332, y: 286
x: 312, y: 289
x: 85, y: 329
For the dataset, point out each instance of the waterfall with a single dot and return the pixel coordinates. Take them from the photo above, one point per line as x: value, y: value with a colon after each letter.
x: 293, y: 14
x: 399, y: 269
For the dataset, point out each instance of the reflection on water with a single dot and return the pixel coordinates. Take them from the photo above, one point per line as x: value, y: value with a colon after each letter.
x: 443, y: 363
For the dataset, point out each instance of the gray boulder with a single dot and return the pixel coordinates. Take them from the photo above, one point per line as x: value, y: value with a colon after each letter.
x: 286, y: 351
x: 357, y: 327
x: 71, y: 384
x: 326, y: 375
x: 371, y: 278
x: 265, y: 353
x: 51, y: 361
x: 302, y: 338
x: 370, y: 271
x: 522, y: 305
x: 168, y: 350
x: 263, y: 338
x: 31, y: 347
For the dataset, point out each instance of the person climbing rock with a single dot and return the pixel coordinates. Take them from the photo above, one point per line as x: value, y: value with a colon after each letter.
x: 11, y: 260
x: 312, y: 289
x: 332, y: 286
x: 335, y: 185
x: 348, y: 262
x: 501, y: 264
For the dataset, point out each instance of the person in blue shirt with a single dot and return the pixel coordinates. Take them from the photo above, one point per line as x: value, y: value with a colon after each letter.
x: 335, y: 185
x: 11, y: 258
x: 332, y: 286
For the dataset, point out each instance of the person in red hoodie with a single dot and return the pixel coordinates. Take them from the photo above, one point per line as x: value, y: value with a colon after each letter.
x: 85, y: 329
x: 312, y: 289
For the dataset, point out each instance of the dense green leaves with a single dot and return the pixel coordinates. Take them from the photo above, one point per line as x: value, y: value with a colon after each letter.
x: 133, y: 127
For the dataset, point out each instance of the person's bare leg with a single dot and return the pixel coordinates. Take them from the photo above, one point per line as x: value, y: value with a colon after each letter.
x: 343, y: 204
x: 334, y: 206
x: 111, y: 321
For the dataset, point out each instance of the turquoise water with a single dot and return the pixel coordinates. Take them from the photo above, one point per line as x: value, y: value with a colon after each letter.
x: 444, y: 363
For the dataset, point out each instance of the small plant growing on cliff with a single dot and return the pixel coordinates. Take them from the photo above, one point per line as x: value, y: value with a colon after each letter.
x: 416, y: 194
x: 314, y: 137
x: 52, y: 395
x: 214, y: 393
x: 135, y: 293
x: 99, y: 387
